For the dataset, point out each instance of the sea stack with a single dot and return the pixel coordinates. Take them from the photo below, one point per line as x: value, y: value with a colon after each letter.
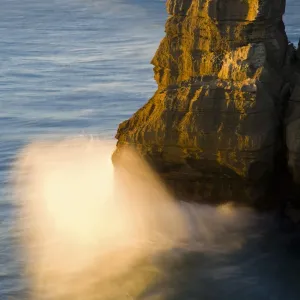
x: 213, y: 129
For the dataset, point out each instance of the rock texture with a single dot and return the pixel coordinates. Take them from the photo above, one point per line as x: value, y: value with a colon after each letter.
x: 292, y: 119
x: 213, y: 129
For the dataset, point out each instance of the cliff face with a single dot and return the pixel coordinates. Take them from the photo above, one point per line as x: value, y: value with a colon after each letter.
x: 213, y: 128
x: 292, y: 120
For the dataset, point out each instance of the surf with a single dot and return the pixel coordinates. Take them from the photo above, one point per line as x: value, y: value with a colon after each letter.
x: 91, y: 231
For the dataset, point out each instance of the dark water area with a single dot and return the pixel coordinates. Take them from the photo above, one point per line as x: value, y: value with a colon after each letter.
x: 71, y: 67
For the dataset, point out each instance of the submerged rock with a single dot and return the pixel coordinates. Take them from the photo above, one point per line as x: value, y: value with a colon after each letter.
x: 213, y: 129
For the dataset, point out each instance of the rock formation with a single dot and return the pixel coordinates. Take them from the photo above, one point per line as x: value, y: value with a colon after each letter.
x: 292, y: 119
x: 213, y: 129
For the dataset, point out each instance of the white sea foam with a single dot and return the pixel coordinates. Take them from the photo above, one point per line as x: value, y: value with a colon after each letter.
x: 85, y: 225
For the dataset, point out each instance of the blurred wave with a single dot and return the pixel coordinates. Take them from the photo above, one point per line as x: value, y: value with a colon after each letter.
x: 86, y: 226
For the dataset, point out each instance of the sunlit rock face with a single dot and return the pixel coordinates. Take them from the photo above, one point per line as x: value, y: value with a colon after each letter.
x: 212, y: 129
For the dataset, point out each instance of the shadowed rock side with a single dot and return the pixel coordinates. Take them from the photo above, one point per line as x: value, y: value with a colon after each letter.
x: 292, y: 123
x: 212, y: 129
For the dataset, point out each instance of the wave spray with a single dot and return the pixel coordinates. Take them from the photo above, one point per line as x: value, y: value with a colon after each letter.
x: 92, y: 232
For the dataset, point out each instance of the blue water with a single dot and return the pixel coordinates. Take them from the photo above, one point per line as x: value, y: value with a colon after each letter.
x: 82, y: 66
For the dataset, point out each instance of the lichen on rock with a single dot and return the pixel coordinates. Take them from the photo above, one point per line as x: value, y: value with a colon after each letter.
x: 212, y: 129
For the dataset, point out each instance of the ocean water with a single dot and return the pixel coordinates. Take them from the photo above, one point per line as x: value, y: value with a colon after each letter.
x: 71, y: 67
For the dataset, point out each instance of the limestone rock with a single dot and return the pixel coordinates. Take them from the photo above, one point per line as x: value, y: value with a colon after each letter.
x: 212, y: 129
